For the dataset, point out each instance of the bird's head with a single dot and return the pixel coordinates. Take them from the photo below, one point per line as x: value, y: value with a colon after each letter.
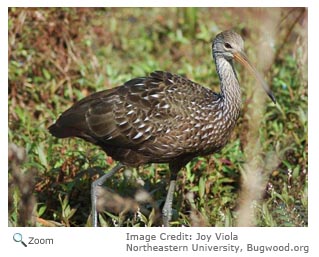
x: 228, y: 44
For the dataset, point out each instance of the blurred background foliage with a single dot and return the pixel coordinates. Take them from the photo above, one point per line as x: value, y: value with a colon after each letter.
x: 60, y: 55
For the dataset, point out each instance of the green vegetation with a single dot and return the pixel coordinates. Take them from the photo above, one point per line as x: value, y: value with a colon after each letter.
x: 60, y: 55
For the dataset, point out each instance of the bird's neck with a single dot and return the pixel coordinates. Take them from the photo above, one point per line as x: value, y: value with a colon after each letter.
x: 229, y: 85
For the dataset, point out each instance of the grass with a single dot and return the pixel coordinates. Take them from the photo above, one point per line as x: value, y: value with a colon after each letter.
x: 60, y: 55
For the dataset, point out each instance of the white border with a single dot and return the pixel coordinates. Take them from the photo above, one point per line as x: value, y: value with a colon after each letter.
x: 162, y: 3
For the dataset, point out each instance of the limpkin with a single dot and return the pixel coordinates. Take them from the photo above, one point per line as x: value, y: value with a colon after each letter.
x: 161, y: 118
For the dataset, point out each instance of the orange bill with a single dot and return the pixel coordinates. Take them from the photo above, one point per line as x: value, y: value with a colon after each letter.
x: 242, y: 58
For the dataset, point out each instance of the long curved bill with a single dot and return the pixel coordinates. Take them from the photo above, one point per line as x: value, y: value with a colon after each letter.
x: 242, y: 58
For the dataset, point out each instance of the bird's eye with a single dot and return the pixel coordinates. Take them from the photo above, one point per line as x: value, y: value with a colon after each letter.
x: 227, y: 45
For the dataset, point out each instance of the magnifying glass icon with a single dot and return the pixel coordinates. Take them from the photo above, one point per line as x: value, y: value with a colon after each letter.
x: 17, y: 237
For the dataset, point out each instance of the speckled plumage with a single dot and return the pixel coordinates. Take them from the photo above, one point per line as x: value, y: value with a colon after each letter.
x: 162, y: 118
x: 152, y: 119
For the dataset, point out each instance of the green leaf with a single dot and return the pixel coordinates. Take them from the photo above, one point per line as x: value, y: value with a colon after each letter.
x: 46, y: 74
x: 201, y: 185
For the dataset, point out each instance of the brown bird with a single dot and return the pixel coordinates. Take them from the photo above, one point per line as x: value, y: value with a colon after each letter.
x: 161, y: 118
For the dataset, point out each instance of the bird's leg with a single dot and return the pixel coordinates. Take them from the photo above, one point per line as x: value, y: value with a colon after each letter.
x: 174, y: 167
x: 94, y: 190
x: 167, y: 209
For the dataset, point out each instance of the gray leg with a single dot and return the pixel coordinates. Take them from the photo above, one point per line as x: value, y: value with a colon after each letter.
x: 167, y: 209
x: 94, y: 190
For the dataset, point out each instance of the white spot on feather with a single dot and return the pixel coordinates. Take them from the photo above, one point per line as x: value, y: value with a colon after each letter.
x: 148, y: 129
x: 138, y: 135
x: 122, y: 123
x: 137, y: 121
